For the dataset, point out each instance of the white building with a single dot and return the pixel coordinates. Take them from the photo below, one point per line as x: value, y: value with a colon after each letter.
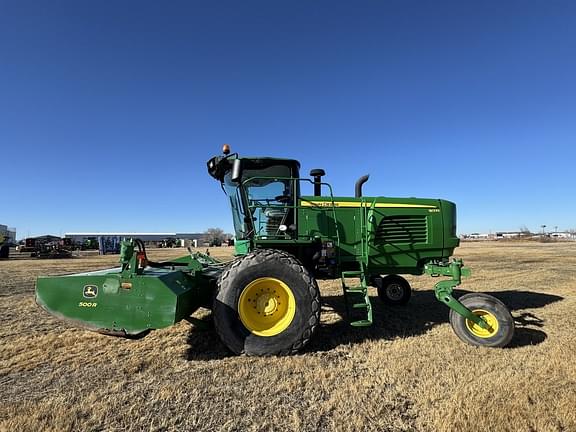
x: 476, y: 236
x: 563, y: 235
x: 508, y: 234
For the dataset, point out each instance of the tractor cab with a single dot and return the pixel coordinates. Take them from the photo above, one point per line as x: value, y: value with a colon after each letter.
x: 263, y: 194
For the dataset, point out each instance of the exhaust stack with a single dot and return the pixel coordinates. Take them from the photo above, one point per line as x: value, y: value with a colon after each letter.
x: 359, y: 183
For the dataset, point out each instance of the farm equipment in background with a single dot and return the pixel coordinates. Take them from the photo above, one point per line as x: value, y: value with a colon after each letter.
x: 61, y: 248
x: 215, y: 243
x: 28, y: 244
x: 169, y: 243
x: 90, y: 243
x: 266, y: 300
x: 109, y: 245
x: 48, y: 247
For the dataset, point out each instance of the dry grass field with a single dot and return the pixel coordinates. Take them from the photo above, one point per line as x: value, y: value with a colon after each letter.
x: 408, y: 372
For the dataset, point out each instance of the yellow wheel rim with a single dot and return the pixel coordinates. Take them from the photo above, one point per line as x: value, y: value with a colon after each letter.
x: 266, y: 306
x: 490, y: 319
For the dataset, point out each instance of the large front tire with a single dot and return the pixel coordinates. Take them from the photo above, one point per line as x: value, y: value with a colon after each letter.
x: 493, y: 311
x: 266, y: 303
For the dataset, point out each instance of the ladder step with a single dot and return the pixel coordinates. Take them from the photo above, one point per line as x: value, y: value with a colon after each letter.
x: 362, y: 305
x: 361, y: 323
x: 355, y: 290
x: 352, y: 273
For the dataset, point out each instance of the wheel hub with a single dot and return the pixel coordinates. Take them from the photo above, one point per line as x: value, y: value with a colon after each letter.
x: 266, y: 306
x: 490, y: 319
x: 394, y: 291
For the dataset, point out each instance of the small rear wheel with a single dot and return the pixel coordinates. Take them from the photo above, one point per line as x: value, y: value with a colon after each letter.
x: 493, y: 311
x: 393, y: 290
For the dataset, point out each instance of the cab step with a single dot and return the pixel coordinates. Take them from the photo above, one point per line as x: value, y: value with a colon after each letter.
x: 356, y: 299
x: 361, y: 323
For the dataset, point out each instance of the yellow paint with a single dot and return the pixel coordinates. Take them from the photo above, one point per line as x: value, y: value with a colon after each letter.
x: 266, y: 306
x: 490, y: 319
x: 356, y: 204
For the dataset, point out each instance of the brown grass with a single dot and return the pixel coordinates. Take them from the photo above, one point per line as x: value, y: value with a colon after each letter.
x: 407, y: 372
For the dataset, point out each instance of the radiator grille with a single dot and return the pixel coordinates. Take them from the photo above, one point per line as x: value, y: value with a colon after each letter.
x: 402, y: 229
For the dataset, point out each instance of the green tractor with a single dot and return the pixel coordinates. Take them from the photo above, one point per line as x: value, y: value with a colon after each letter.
x: 266, y: 300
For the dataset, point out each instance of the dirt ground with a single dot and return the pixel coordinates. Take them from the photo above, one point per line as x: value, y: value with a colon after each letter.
x: 408, y: 372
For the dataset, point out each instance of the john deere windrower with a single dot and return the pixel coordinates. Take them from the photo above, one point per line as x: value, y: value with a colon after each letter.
x: 266, y: 300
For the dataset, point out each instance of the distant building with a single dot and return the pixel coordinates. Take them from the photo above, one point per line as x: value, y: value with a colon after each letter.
x: 9, y: 234
x: 509, y: 234
x: 476, y: 236
x: 521, y: 235
x: 563, y: 235
x: 147, y: 237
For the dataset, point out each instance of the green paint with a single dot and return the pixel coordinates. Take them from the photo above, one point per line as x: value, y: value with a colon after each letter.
x: 241, y: 247
x: 388, y: 240
x: 131, y: 299
x: 336, y: 237
x: 356, y: 298
x: 444, y: 289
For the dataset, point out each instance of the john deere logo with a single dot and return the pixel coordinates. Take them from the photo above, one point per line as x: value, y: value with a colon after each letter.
x: 90, y: 291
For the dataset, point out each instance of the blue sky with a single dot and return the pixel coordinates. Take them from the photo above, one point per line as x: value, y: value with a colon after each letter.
x: 109, y: 110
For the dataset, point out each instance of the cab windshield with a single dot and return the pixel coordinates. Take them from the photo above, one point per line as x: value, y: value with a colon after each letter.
x: 269, y: 198
x: 233, y: 192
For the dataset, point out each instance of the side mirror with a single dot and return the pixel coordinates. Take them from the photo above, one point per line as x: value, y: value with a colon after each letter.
x: 212, y: 165
x: 236, y: 175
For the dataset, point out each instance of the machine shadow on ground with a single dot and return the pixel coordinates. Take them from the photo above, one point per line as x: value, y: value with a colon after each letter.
x: 204, y: 343
x: 422, y: 313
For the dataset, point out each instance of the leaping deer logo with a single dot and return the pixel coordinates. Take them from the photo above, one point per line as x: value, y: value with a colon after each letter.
x: 90, y: 291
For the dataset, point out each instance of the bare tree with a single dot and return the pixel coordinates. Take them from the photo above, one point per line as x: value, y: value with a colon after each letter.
x: 525, y: 231
x: 214, y: 236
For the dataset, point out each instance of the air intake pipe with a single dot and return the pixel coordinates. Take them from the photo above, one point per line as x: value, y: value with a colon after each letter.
x: 359, y: 183
x: 317, y: 174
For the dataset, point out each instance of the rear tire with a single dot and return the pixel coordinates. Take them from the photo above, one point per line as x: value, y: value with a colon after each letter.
x: 266, y: 303
x: 493, y: 311
x: 393, y: 290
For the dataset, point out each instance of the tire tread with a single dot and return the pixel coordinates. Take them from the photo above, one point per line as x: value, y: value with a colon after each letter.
x: 262, y: 255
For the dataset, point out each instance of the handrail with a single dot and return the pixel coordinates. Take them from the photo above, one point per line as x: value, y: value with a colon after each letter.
x: 295, y: 205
